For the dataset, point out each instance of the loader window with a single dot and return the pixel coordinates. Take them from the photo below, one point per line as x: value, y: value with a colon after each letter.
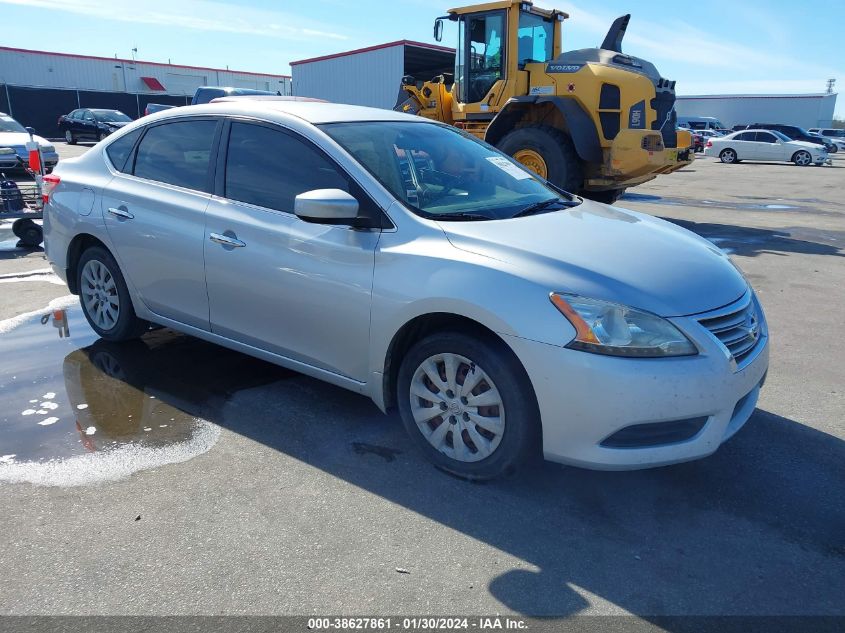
x: 534, y: 39
x: 484, y: 35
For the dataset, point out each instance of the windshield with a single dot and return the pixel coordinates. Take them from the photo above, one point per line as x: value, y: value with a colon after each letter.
x: 8, y: 124
x: 780, y: 135
x: 441, y: 172
x: 110, y: 115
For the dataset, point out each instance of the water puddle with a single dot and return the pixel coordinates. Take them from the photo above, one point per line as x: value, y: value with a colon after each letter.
x: 721, y: 204
x: 75, y: 409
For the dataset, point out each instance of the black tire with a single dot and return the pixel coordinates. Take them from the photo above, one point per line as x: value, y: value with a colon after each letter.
x: 127, y: 326
x: 520, y: 439
x: 70, y: 138
x: 607, y: 197
x: 563, y: 164
x: 728, y: 156
x: 802, y: 158
x: 28, y: 232
x: 101, y: 136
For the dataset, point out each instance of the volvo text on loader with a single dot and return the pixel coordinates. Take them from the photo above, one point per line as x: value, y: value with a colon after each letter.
x: 593, y: 120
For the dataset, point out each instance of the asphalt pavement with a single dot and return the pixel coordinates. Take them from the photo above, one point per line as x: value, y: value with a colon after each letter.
x: 273, y: 493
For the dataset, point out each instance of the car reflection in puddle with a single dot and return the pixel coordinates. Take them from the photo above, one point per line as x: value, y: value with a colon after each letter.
x: 75, y: 409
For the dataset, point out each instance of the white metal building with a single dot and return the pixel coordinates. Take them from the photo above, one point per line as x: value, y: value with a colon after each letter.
x: 370, y: 76
x: 805, y: 110
x: 41, y: 69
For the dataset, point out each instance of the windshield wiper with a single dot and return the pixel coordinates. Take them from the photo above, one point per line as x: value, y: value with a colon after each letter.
x: 538, y: 207
x: 460, y: 216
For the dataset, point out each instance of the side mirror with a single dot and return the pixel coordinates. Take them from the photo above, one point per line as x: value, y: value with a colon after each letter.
x: 438, y: 29
x: 31, y: 130
x: 326, y: 206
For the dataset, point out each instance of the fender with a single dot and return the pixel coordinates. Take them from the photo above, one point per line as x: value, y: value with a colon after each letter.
x: 582, y: 129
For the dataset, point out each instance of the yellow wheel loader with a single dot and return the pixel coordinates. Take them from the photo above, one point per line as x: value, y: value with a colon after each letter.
x: 594, y: 121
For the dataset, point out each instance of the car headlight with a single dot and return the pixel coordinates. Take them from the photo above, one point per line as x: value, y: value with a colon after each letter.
x: 7, y: 150
x: 609, y: 328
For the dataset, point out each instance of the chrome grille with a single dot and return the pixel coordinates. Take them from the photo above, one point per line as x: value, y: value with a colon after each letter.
x: 738, y: 330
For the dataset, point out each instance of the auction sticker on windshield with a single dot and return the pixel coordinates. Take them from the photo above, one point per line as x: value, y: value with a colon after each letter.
x: 508, y: 167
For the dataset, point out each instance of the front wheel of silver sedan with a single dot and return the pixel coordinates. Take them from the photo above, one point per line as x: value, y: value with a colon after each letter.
x: 105, y: 298
x: 468, y: 404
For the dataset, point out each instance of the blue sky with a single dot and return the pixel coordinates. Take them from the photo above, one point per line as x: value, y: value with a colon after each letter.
x: 714, y: 46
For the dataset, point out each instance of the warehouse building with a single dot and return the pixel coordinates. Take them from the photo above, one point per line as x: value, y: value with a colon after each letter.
x: 36, y: 87
x: 804, y: 110
x: 370, y: 76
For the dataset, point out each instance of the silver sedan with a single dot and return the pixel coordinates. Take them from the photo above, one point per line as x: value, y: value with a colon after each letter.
x: 408, y: 261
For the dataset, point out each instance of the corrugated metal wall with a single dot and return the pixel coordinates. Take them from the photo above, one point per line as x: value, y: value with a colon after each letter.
x: 369, y: 78
x: 18, y: 68
x: 802, y: 110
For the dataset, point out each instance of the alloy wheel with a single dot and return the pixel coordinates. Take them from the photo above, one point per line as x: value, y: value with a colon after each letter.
x: 99, y: 294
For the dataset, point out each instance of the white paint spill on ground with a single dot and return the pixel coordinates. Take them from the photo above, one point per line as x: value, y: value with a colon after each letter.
x: 49, y: 395
x: 67, y: 301
x: 27, y: 411
x: 48, y: 421
x: 81, y: 406
x: 49, y: 405
x: 90, y: 430
x: 42, y: 412
x: 111, y: 465
x: 7, y: 459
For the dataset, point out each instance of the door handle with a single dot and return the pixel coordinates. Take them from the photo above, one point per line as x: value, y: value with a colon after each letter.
x: 226, y: 240
x: 121, y: 212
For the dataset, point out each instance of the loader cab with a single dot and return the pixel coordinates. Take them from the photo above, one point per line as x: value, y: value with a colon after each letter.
x: 494, y: 45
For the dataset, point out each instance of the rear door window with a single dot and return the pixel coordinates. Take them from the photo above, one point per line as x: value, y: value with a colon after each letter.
x: 177, y: 153
x: 119, y: 151
x: 744, y: 136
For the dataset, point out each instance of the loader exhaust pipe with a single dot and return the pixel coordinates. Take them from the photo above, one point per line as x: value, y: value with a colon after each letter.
x: 613, y: 39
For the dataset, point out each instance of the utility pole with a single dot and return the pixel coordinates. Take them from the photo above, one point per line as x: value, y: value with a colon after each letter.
x: 830, y: 83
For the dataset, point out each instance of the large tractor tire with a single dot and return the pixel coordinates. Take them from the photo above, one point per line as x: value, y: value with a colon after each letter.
x: 548, y: 152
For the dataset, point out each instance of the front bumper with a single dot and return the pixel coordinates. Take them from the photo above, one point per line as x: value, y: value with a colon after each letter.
x: 585, y: 399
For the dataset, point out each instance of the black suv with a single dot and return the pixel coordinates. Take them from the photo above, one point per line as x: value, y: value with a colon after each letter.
x: 795, y: 133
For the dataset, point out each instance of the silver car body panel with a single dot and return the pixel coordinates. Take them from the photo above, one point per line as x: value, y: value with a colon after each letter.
x: 328, y: 300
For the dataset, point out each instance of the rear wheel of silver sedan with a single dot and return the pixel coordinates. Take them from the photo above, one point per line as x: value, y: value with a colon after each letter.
x: 802, y: 158
x: 105, y: 298
x: 727, y: 156
x: 468, y: 404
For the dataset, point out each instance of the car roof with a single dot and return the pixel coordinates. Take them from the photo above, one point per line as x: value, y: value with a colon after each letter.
x: 314, y: 112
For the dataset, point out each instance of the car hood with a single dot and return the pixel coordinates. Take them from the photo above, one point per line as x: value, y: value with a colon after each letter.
x: 609, y: 253
x: 18, y: 139
x: 116, y: 124
x: 808, y: 144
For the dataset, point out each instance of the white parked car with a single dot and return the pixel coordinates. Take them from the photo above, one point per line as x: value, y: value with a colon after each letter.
x: 765, y: 145
x: 837, y: 141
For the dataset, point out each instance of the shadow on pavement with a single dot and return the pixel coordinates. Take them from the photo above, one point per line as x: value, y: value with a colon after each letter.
x: 750, y: 242
x: 757, y: 528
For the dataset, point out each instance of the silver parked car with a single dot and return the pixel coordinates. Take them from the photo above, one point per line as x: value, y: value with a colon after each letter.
x: 406, y: 260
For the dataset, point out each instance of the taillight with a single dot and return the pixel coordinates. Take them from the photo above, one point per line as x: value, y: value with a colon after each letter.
x: 709, y: 144
x: 50, y: 182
